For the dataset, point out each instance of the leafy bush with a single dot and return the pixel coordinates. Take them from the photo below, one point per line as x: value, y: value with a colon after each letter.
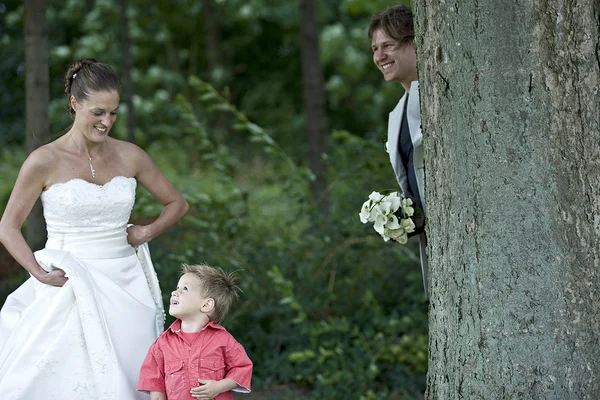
x: 327, y: 304
x: 12, y: 159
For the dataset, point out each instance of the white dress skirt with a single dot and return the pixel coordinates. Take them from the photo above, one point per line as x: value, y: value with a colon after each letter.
x: 87, y: 339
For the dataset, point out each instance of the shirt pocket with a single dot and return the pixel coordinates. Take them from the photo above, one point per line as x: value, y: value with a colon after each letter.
x: 212, y: 368
x: 175, y: 376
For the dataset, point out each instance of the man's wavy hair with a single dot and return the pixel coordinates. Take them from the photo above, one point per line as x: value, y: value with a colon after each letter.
x: 396, y: 22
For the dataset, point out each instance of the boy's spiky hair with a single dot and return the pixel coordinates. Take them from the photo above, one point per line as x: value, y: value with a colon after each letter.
x: 216, y: 284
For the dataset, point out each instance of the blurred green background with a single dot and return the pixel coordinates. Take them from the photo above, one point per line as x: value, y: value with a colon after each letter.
x: 328, y: 310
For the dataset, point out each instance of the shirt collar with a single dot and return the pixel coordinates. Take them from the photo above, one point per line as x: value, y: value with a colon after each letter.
x: 176, y: 326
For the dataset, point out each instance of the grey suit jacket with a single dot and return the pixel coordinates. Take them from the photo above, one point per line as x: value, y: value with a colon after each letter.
x: 413, y: 111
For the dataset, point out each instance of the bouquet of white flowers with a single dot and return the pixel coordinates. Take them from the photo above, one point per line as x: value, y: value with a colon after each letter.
x: 393, y: 216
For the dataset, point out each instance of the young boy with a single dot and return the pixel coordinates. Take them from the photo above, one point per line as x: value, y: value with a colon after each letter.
x: 196, y: 358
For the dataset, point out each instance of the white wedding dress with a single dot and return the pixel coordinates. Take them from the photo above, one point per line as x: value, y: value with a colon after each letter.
x: 88, y: 339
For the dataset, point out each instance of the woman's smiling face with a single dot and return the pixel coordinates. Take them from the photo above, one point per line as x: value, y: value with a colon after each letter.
x: 95, y: 116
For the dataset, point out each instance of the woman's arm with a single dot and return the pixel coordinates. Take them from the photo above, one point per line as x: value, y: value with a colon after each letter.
x: 174, y: 205
x: 30, y: 183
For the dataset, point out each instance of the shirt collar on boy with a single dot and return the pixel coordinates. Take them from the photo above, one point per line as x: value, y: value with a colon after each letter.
x: 176, y: 326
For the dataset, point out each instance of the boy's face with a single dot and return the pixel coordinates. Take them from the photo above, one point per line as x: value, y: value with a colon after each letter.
x: 396, y: 62
x: 187, y: 300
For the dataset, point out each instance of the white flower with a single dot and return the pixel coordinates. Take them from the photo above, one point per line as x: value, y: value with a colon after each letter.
x: 392, y: 222
x: 388, y: 204
x: 385, y: 207
x: 365, y: 212
x: 407, y: 225
x: 379, y: 223
x: 375, y: 197
x: 402, y: 239
x: 395, y: 194
x: 406, y: 207
x: 397, y: 234
x: 394, y: 201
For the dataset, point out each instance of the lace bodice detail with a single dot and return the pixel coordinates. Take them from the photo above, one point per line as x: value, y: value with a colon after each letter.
x: 79, y: 206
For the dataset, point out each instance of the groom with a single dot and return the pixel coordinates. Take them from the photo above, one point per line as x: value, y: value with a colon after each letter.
x: 392, y: 42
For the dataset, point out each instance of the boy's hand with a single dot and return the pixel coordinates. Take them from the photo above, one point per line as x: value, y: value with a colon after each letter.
x: 158, y: 396
x: 207, y: 390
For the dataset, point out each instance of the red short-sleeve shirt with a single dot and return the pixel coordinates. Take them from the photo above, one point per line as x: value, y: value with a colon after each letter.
x: 174, y: 364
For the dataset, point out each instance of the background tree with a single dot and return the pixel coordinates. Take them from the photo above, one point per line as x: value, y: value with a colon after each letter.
x: 37, y: 99
x: 509, y: 96
x: 127, y: 71
x: 314, y: 100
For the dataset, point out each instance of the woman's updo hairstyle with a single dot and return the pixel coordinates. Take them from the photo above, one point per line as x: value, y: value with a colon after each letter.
x: 86, y: 77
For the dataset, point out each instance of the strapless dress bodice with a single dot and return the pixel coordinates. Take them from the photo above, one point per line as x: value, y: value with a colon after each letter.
x: 79, y: 206
x: 89, y: 220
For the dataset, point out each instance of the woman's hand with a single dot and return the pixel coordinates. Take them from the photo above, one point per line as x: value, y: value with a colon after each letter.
x: 56, y: 277
x: 138, y: 234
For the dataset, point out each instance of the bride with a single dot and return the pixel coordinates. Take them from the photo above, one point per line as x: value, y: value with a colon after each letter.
x: 80, y: 327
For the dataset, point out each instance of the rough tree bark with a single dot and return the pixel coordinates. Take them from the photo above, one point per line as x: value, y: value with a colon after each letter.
x: 37, y: 80
x: 511, y: 121
x: 314, y: 100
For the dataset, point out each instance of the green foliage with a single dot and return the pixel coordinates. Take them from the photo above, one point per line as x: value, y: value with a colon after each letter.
x: 258, y: 54
x: 326, y: 303
x: 12, y: 158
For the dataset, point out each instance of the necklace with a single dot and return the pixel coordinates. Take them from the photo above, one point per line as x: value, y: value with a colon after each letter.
x: 89, y: 157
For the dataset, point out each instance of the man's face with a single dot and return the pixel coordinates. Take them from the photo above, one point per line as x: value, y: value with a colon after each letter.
x: 397, y: 63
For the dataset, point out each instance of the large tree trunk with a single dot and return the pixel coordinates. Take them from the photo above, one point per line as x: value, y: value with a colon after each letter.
x: 511, y: 121
x: 36, y: 104
x: 127, y: 69
x: 314, y: 100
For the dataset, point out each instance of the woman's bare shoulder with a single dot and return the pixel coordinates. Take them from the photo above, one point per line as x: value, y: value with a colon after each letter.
x: 43, y: 157
x: 128, y: 151
x: 38, y: 167
x: 124, y: 147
